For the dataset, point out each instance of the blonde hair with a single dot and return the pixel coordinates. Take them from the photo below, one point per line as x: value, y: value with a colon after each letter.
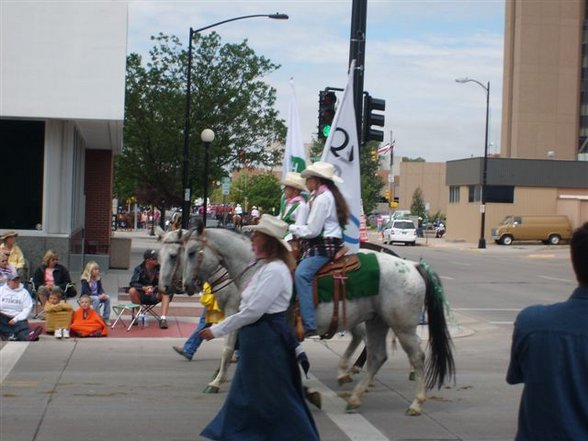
x: 87, y: 274
x: 50, y: 254
x: 85, y: 297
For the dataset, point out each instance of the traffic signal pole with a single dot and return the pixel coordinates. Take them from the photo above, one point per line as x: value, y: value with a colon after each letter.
x: 357, y: 53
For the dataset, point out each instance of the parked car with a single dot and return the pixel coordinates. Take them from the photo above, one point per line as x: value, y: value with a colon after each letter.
x: 400, y: 230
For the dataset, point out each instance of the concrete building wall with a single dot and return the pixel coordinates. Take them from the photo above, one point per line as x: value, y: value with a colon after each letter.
x: 541, y: 87
x: 464, y: 218
x: 59, y: 56
x: 430, y: 177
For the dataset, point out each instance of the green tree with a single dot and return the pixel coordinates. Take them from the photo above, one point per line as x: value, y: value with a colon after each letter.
x: 407, y: 159
x: 228, y: 95
x: 417, y: 207
x: 262, y: 190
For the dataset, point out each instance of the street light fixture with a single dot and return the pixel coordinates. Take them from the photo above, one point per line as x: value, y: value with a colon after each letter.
x: 482, y: 241
x: 186, y: 152
x: 207, y: 136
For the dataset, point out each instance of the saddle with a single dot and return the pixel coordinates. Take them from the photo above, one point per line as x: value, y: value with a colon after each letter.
x: 337, y: 269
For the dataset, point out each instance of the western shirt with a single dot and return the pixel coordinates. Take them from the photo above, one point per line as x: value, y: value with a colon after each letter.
x: 321, y: 219
x: 269, y: 291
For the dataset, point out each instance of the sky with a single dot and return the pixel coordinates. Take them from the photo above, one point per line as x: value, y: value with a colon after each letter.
x: 415, y: 49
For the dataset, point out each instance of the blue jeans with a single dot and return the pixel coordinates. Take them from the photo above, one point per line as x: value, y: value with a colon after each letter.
x: 20, y: 329
x: 306, y: 270
x: 194, y: 341
x: 96, y: 306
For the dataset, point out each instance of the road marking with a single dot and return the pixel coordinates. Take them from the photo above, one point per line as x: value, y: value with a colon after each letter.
x: 557, y: 279
x: 488, y: 309
x: 541, y: 256
x: 447, y: 278
x: 9, y: 356
x: 354, y: 425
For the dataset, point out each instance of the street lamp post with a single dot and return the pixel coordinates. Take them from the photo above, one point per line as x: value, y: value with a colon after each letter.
x: 482, y: 241
x: 207, y: 137
x: 186, y: 152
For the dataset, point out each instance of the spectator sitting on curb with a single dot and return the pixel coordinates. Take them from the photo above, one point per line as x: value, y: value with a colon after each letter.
x: 15, y: 306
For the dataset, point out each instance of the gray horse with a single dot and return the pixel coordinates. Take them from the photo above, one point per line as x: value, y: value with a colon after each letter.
x: 404, y: 287
x: 226, y: 293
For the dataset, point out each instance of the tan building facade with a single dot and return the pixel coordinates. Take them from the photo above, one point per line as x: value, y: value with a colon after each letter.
x: 430, y: 177
x: 541, y: 114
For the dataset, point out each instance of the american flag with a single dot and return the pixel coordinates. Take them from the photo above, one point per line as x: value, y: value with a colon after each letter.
x: 386, y: 148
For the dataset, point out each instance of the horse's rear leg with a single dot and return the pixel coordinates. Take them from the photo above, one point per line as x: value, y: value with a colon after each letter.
x: 357, y: 336
x: 411, y: 344
x: 214, y: 386
x: 377, y: 330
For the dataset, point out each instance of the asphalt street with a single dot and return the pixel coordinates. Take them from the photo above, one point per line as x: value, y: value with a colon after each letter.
x: 139, y: 389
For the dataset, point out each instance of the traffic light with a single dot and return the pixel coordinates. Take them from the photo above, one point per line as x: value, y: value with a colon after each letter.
x: 373, y: 119
x: 387, y: 194
x: 374, y: 155
x: 327, y: 100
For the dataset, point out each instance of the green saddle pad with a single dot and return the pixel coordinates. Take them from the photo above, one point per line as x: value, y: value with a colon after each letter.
x: 363, y: 282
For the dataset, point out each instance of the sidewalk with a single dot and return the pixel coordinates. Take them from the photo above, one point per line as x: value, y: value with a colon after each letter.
x: 184, y: 311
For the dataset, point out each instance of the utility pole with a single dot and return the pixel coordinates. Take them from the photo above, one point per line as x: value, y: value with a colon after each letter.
x: 357, y: 53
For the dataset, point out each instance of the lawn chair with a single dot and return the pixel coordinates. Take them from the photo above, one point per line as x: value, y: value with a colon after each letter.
x: 136, y: 310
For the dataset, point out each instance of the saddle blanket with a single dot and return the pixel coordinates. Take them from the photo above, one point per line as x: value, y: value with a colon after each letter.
x: 363, y: 282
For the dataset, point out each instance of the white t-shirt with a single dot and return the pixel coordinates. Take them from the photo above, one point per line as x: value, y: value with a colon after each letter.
x: 269, y: 291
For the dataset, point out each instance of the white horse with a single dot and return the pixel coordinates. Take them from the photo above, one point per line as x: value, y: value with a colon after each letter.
x: 226, y: 293
x: 403, y: 289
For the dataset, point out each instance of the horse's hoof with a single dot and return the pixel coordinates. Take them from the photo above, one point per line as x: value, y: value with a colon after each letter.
x: 344, y: 379
x: 314, y: 398
x: 351, y: 408
x: 211, y: 390
x: 412, y: 376
x: 412, y: 412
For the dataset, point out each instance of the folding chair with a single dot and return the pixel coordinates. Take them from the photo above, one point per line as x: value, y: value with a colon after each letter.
x: 136, y: 311
x: 38, y: 312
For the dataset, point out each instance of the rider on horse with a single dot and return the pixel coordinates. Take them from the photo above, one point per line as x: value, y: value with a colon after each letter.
x: 294, y: 209
x: 322, y: 235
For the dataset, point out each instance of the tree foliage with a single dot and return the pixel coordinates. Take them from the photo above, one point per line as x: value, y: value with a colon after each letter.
x: 262, y: 190
x: 417, y: 207
x: 228, y: 95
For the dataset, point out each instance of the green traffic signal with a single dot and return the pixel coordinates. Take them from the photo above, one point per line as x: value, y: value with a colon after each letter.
x: 326, y: 130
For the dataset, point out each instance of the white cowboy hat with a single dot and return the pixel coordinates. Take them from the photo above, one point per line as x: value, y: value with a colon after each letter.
x: 272, y: 226
x: 8, y: 234
x: 293, y: 179
x: 322, y: 170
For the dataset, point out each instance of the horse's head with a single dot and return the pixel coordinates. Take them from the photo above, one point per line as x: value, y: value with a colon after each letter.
x: 201, y: 259
x: 205, y: 250
x: 170, y: 260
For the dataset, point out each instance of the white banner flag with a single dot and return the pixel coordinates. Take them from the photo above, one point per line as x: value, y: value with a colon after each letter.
x: 294, y: 155
x: 342, y: 150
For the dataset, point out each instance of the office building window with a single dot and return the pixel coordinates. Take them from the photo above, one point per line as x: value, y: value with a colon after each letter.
x: 474, y: 193
x: 503, y: 194
x: 23, y: 156
x: 454, y: 194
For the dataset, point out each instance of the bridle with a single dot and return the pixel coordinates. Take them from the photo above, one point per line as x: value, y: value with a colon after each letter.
x: 203, y: 240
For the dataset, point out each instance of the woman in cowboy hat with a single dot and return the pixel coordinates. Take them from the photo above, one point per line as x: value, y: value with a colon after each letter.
x: 15, y: 256
x: 267, y: 377
x: 321, y: 237
x: 294, y: 209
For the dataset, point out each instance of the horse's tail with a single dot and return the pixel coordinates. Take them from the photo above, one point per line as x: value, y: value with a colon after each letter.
x: 440, y: 365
